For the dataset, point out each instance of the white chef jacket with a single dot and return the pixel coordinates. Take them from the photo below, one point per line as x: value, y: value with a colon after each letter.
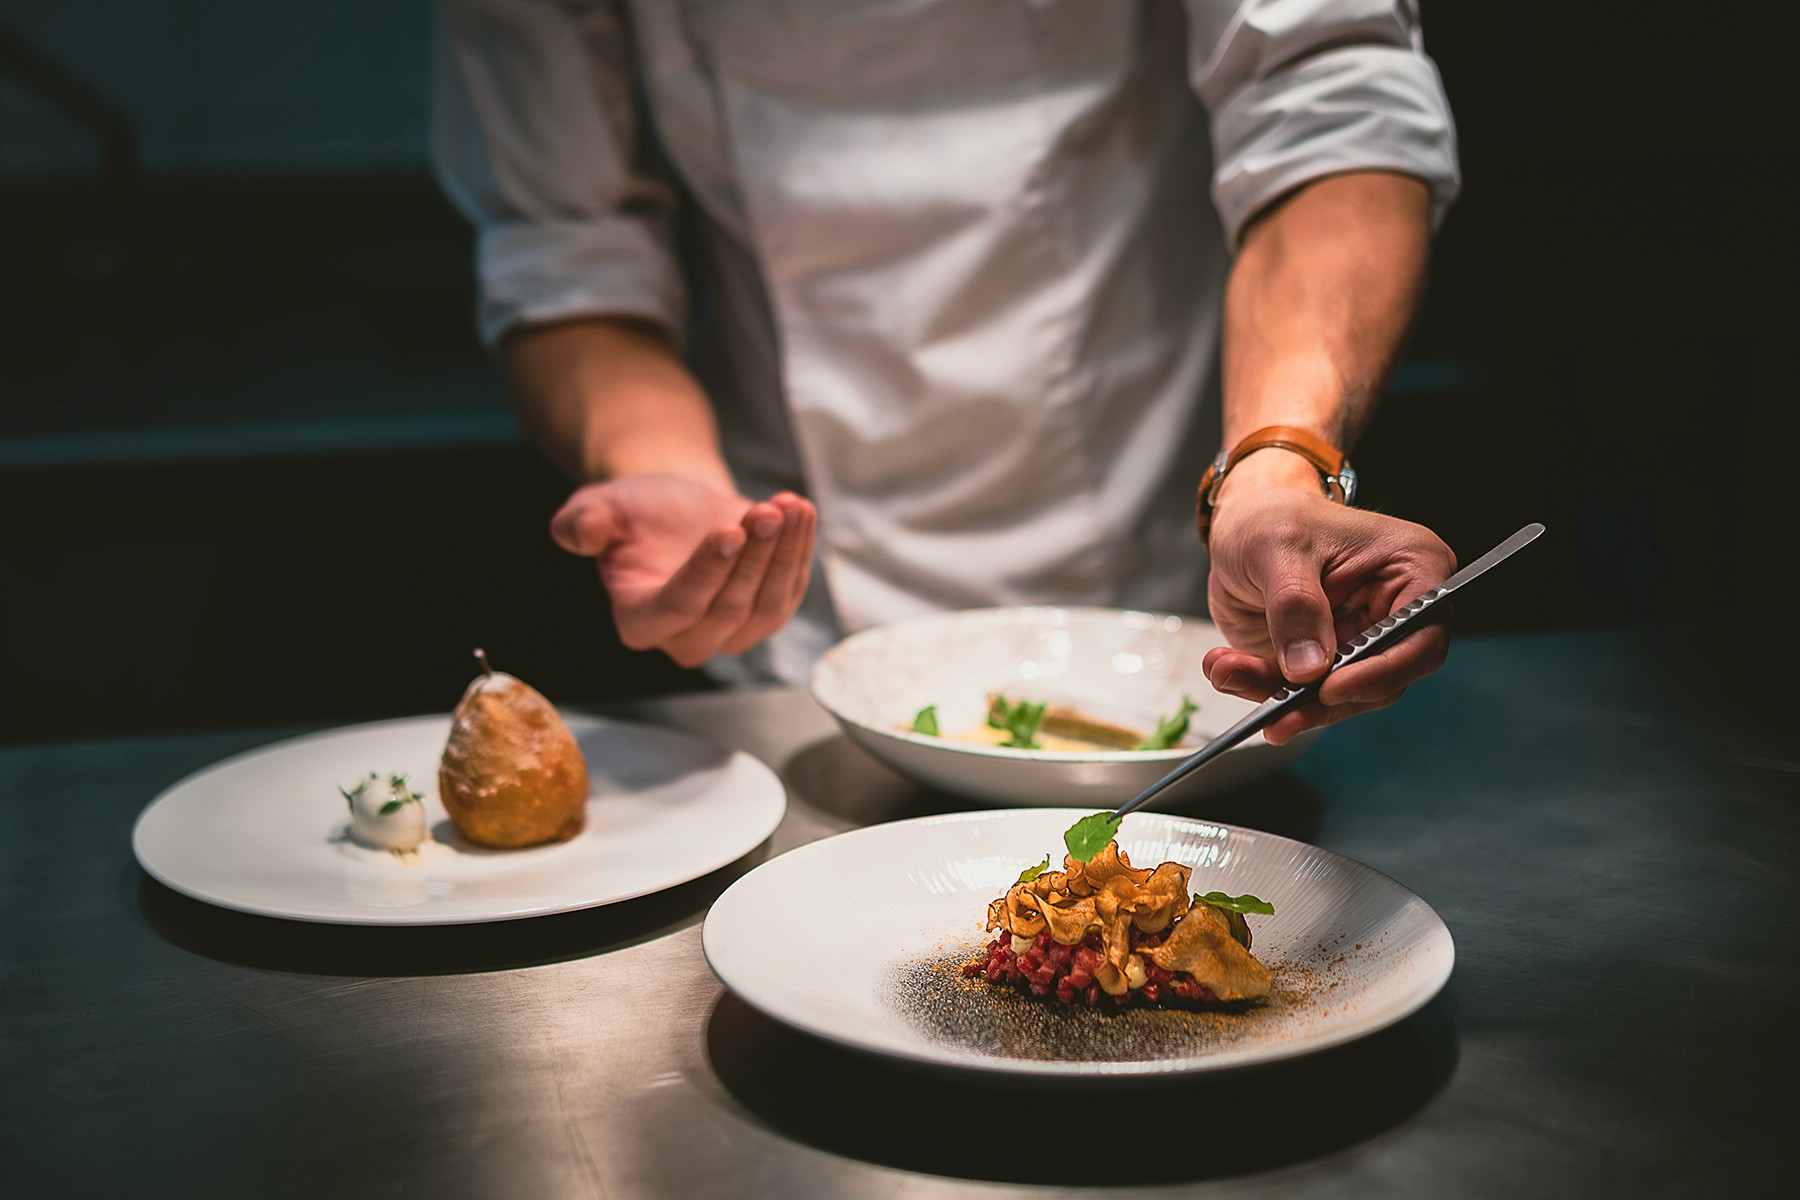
x: 949, y: 267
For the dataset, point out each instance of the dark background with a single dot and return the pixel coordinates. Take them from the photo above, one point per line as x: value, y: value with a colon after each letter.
x: 254, y: 467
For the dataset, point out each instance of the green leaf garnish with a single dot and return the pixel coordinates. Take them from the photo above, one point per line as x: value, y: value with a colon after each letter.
x: 1237, y: 904
x: 999, y: 711
x: 926, y: 721
x: 1170, y: 730
x: 1032, y: 872
x: 1088, y: 836
x: 398, y: 793
x: 1020, y: 721
x: 351, y: 795
x: 1024, y: 725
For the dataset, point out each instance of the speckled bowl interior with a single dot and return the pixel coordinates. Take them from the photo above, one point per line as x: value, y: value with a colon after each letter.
x: 1121, y: 665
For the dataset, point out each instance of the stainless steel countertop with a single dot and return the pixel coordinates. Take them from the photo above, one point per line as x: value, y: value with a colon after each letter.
x: 1606, y: 820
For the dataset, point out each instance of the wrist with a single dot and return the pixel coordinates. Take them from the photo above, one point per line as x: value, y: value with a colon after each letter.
x: 1266, y: 470
x: 608, y: 398
x: 618, y: 457
x: 1275, y: 458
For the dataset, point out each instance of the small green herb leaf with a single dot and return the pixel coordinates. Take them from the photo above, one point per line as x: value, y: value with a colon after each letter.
x: 350, y: 796
x: 1032, y: 872
x: 1088, y: 836
x: 926, y: 721
x: 392, y: 806
x: 1170, y: 730
x: 1022, y: 723
x: 999, y: 711
x: 1237, y: 904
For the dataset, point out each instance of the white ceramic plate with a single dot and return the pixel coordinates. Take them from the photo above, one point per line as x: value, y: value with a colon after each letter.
x: 848, y: 939
x: 262, y: 832
x: 1120, y: 665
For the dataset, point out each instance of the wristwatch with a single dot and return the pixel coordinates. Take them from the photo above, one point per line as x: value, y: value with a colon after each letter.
x: 1336, y: 476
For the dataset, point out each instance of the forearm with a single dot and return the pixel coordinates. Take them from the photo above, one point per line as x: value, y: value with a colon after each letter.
x: 604, y: 398
x: 1317, y: 307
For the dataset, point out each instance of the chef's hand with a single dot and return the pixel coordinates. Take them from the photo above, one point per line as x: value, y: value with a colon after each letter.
x: 690, y: 570
x: 1294, y: 575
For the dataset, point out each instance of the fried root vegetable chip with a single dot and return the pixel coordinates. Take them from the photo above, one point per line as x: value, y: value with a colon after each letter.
x: 1109, y: 896
x: 1086, y: 878
x: 1010, y: 913
x: 1115, y: 943
x: 1162, y: 898
x: 1070, y: 921
x: 1202, y: 945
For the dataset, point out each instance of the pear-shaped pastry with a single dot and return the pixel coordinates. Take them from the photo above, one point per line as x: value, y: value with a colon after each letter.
x: 512, y: 774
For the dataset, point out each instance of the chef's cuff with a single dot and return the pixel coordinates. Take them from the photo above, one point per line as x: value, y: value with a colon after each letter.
x: 1359, y: 108
x: 536, y: 273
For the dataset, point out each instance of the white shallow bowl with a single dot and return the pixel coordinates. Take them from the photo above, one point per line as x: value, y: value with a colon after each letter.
x: 263, y: 832
x: 834, y: 939
x: 1121, y: 665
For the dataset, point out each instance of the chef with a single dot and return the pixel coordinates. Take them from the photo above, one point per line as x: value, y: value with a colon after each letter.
x: 959, y: 300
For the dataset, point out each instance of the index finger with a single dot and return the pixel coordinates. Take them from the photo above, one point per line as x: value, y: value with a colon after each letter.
x: 1399, y: 664
x: 1382, y: 677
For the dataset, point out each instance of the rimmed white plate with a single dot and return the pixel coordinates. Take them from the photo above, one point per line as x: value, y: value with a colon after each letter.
x: 263, y: 832
x: 854, y: 939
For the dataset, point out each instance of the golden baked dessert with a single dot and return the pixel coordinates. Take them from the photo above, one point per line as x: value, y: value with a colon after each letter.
x: 512, y: 774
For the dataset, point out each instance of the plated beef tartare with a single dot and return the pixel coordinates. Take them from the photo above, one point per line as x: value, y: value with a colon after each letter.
x: 1107, y: 934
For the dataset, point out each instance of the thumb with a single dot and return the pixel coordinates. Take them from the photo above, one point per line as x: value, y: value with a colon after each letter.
x: 584, y: 524
x: 1300, y: 624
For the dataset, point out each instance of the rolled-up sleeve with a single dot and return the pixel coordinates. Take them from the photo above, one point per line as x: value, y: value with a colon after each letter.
x: 1300, y: 89
x: 538, y: 141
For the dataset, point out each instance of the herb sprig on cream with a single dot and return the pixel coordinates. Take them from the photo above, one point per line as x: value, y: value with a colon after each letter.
x: 386, y: 815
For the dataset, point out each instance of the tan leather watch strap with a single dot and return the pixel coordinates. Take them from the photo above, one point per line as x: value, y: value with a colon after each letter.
x: 1338, y: 479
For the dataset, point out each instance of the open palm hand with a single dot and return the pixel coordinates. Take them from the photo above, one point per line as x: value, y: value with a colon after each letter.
x: 690, y: 570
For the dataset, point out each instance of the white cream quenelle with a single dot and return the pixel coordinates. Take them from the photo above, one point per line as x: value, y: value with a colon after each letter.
x: 385, y: 813
x: 963, y: 263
